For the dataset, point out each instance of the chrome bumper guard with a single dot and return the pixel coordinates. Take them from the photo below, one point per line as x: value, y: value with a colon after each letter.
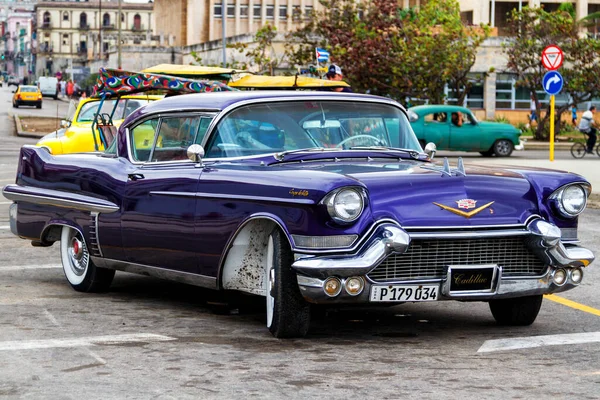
x: 542, y: 237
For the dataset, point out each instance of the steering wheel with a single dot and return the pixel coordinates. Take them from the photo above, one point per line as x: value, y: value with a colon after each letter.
x: 351, y: 138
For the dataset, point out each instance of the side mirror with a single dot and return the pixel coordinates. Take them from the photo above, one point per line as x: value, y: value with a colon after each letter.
x: 430, y: 150
x: 195, y: 153
x: 64, y: 123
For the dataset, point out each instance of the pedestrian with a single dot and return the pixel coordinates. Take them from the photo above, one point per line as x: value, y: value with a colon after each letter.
x: 63, y: 88
x: 574, y: 114
x: 588, y: 126
x: 70, y: 88
x: 533, y: 110
x: 335, y: 74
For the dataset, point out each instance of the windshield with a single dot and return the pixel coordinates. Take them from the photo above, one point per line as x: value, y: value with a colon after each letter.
x: 124, y: 108
x: 287, y: 126
x: 29, y: 89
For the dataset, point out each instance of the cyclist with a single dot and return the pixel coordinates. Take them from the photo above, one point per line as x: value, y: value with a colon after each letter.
x: 588, y: 126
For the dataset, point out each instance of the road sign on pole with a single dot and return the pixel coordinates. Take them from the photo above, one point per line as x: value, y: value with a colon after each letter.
x: 553, y: 82
x: 552, y: 57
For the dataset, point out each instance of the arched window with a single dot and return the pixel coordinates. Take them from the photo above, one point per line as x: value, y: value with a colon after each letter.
x: 65, y: 16
x: 106, y: 20
x: 122, y: 17
x: 46, y: 18
x: 137, y: 22
x: 83, y: 20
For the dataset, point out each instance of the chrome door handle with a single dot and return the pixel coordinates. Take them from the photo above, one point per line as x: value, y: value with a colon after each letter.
x: 135, y: 177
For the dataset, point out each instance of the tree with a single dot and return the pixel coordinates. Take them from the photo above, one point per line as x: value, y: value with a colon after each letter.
x: 389, y: 51
x: 261, y: 52
x: 532, y: 29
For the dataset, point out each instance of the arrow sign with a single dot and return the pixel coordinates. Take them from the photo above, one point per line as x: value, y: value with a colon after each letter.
x: 552, y: 57
x: 553, y: 82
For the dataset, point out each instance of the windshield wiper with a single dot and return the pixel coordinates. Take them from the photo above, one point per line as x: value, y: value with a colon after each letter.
x: 281, y: 156
x: 412, y: 153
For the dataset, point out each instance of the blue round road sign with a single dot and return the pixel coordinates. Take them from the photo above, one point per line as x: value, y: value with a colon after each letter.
x: 553, y: 82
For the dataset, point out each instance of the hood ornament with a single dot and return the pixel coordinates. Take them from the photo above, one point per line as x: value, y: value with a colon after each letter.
x: 446, y: 170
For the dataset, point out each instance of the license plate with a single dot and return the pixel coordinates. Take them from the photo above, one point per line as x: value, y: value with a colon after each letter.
x: 405, y: 293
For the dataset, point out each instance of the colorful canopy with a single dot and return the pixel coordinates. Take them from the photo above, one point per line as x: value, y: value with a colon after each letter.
x: 114, y: 83
x: 284, y: 82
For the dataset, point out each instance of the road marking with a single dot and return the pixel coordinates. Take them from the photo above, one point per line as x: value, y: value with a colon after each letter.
x: 538, y: 341
x: 82, y: 342
x: 4, y: 227
x: 26, y: 267
x: 573, y: 304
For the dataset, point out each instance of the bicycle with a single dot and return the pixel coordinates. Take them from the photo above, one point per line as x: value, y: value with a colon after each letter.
x: 579, y: 149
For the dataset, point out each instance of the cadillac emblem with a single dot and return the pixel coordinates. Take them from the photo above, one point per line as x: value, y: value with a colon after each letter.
x: 466, y: 204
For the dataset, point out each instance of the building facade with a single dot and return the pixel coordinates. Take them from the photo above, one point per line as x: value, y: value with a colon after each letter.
x: 16, y: 26
x: 72, y: 34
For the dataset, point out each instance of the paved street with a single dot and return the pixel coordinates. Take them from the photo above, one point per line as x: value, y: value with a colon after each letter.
x: 148, y: 338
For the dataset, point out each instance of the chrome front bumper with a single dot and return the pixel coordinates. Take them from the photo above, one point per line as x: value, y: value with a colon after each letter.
x: 542, y: 238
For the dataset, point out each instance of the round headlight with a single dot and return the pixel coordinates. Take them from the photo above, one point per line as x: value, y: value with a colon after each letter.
x: 573, y: 199
x: 346, y: 205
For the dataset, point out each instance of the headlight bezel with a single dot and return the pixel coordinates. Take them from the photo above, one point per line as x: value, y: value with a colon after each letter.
x: 330, y: 202
x: 558, y: 199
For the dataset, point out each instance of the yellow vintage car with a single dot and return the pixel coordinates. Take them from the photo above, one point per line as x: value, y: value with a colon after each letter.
x: 76, y: 136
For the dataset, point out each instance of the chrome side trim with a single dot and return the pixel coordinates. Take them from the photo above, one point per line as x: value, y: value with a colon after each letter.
x: 233, y: 197
x: 57, y: 198
x: 96, y: 244
x: 468, y: 235
x: 157, y: 272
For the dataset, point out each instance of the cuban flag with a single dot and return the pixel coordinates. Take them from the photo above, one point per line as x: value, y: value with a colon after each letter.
x: 322, y: 55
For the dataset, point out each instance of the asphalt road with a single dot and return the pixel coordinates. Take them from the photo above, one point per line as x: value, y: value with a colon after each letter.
x: 149, y: 338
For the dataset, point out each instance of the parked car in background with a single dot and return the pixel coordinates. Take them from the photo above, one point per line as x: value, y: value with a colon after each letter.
x: 303, y: 198
x: 14, y: 81
x: 77, y: 137
x: 434, y: 123
x: 48, y: 86
x: 27, y: 95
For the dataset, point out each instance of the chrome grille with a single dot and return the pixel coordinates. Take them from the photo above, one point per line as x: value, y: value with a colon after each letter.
x: 429, y: 258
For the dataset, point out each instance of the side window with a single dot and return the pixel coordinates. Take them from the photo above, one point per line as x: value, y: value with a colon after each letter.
x: 175, y: 135
x: 436, y: 117
x: 142, y: 139
x: 202, y: 128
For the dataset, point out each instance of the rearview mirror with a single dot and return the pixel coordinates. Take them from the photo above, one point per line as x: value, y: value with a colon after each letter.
x: 329, y: 123
x: 195, y: 153
x: 430, y: 150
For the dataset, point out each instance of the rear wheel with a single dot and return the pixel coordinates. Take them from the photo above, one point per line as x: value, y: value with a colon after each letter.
x: 503, y: 148
x: 16, y: 104
x: 80, y: 270
x: 288, y: 314
x: 519, y: 311
x: 578, y: 150
x: 39, y: 105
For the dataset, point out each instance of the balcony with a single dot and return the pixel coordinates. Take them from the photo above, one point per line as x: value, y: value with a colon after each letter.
x: 108, y: 26
x: 45, y: 49
x: 137, y: 28
x: 84, y: 26
x: 46, y: 25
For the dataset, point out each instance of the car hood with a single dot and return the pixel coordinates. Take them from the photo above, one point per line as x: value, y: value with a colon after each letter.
x: 418, y: 194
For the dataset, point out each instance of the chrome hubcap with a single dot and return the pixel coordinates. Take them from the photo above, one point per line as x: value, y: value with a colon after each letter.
x: 78, y: 256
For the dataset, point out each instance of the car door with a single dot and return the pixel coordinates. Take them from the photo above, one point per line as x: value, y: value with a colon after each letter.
x: 159, y: 205
x: 436, y: 129
x: 466, y: 137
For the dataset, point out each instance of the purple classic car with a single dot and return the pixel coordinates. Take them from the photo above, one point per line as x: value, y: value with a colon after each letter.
x: 304, y: 198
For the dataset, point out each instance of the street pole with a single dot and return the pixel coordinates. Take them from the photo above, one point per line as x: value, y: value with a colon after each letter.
x: 552, y: 128
x: 119, y: 66
x: 100, y: 29
x: 224, y: 26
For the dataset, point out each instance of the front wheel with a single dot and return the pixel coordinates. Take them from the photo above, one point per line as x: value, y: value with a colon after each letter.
x: 80, y: 270
x: 503, y: 148
x: 520, y: 311
x: 288, y: 315
x: 578, y: 150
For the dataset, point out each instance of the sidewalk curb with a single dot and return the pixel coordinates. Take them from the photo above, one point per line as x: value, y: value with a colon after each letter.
x: 22, y: 133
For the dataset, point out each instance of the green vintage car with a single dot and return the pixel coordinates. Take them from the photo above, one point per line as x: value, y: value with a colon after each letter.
x: 437, y: 124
